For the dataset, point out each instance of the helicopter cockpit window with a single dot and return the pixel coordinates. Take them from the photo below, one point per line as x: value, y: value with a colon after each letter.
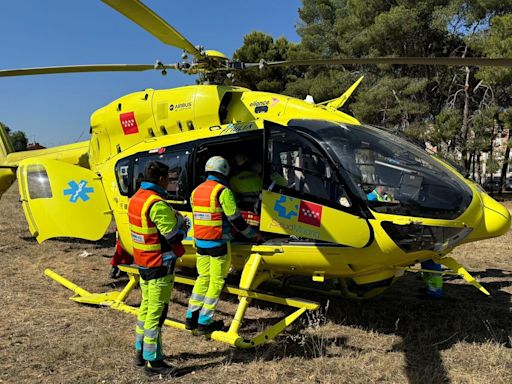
x: 297, y: 166
x: 177, y: 161
x: 123, y: 176
x: 38, y: 182
x: 392, y: 174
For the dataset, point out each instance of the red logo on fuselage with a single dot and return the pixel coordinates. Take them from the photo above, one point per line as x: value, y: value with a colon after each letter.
x: 310, y: 213
x: 128, y: 123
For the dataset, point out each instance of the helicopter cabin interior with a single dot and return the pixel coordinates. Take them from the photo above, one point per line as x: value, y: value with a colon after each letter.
x: 287, y: 163
x: 309, y: 167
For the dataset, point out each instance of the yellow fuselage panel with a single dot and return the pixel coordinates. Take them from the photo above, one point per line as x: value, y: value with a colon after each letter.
x: 272, y: 106
x: 168, y: 117
x: 75, y: 153
x: 71, y: 153
x: 7, y: 177
x: 138, y: 116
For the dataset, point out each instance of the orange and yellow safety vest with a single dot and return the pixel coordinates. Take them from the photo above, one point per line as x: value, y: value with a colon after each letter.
x: 207, y: 210
x: 147, y: 248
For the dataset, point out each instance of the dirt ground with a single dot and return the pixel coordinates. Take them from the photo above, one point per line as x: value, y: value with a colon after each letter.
x: 394, y: 338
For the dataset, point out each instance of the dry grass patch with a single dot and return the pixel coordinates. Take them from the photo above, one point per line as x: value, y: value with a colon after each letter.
x: 395, y: 338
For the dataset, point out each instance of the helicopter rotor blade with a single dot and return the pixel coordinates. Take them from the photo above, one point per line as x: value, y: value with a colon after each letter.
x: 455, y: 61
x: 144, y: 17
x: 86, y: 68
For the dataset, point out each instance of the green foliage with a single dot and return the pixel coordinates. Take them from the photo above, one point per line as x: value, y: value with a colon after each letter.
x: 447, y: 123
x: 495, y: 42
x: 453, y: 108
x: 492, y: 165
x: 258, y: 46
x: 18, y: 139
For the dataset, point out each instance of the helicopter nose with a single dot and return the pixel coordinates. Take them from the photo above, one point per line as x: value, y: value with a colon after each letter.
x: 495, y: 220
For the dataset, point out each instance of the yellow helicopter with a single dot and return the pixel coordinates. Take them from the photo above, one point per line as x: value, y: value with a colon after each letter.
x: 319, y: 167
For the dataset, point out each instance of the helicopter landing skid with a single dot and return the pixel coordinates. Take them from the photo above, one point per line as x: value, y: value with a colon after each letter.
x: 250, y: 279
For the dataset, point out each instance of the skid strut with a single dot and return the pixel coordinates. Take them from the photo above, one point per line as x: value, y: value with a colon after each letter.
x: 250, y: 280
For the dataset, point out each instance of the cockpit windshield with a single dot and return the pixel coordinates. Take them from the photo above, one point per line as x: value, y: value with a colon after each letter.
x: 394, y: 175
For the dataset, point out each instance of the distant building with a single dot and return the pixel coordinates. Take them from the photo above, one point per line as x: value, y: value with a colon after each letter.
x: 34, y: 146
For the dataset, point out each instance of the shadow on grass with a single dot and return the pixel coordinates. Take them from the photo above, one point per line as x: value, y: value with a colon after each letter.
x: 107, y: 241
x: 426, y: 327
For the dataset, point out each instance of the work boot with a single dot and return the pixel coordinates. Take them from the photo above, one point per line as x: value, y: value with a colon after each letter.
x: 191, y: 322
x: 114, y: 272
x: 158, y: 367
x: 206, y: 329
x: 138, y: 360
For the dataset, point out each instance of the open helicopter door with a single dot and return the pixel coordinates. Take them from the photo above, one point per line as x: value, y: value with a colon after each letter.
x: 62, y: 200
x: 303, y: 195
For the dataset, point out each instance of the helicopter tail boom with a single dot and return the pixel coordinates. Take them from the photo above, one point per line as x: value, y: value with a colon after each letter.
x: 7, y: 170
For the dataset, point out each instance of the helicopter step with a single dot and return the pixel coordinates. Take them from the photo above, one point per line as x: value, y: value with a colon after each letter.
x: 250, y: 279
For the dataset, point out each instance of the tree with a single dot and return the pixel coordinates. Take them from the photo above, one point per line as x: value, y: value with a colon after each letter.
x: 453, y: 108
x: 459, y: 110
x: 260, y: 46
x: 497, y: 42
x: 18, y: 139
x: 403, y: 97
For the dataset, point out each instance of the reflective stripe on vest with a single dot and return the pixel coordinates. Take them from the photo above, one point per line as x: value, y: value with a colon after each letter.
x: 207, y: 210
x: 147, y: 250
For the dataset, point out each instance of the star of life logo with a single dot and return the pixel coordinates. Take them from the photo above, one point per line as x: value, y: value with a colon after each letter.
x: 286, y: 207
x: 78, y: 191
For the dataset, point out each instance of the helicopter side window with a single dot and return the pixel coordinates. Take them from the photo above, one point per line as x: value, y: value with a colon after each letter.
x: 177, y: 161
x: 38, y: 182
x: 299, y: 168
x: 123, y: 176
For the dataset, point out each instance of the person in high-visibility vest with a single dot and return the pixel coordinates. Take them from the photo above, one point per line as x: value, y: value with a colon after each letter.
x: 215, y: 211
x: 433, y: 281
x: 246, y: 183
x: 156, y: 231
x: 378, y: 194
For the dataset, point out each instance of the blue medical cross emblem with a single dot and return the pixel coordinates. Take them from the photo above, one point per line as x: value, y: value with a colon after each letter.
x: 78, y: 191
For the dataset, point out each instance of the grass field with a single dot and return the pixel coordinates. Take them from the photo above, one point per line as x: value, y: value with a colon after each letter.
x: 395, y: 338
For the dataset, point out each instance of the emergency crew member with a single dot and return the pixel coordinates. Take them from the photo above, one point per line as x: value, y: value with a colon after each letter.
x: 378, y: 194
x: 247, y: 183
x: 156, y: 231
x: 433, y: 281
x: 214, y: 209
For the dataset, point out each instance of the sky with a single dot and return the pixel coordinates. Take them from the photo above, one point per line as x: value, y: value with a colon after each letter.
x: 55, y: 109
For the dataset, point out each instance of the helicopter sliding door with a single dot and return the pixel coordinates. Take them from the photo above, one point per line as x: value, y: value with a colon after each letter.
x: 62, y: 200
x: 303, y: 194
x: 129, y: 173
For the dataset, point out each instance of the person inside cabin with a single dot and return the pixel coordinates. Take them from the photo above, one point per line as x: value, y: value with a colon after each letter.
x: 246, y: 183
x: 379, y: 193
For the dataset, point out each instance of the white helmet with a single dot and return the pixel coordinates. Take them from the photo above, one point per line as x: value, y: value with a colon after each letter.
x: 217, y: 164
